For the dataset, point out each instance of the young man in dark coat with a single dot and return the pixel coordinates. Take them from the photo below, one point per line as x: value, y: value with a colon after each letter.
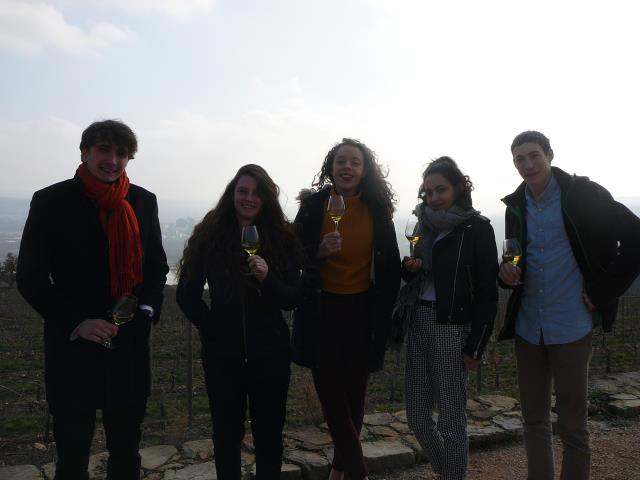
x: 580, y: 252
x: 88, y: 243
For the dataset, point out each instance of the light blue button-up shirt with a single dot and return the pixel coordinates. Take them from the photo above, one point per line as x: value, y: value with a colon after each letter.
x: 552, y: 303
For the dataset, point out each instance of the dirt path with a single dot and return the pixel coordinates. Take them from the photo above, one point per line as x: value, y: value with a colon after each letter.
x: 616, y: 456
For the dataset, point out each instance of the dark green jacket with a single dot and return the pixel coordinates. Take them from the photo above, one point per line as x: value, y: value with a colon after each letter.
x: 604, y: 236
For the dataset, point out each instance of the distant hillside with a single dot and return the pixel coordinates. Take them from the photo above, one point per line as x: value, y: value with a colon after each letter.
x: 634, y: 289
x: 14, y: 207
x: 633, y: 203
x: 13, y: 213
x: 178, y: 217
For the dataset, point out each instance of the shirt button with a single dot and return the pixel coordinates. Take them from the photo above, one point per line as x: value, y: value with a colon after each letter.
x: 540, y: 290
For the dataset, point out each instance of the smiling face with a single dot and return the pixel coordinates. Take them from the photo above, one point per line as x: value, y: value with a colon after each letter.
x: 106, y: 161
x: 438, y: 192
x: 347, y: 170
x: 246, y: 200
x: 534, y: 166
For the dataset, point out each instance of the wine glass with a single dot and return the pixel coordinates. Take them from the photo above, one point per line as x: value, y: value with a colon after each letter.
x: 336, y: 209
x: 250, y: 240
x: 511, y: 252
x: 122, y: 312
x: 412, y: 232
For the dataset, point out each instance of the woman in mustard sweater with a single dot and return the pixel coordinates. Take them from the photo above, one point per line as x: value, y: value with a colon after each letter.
x: 341, y: 329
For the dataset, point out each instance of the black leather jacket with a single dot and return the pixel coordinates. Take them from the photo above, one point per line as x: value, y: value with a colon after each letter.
x: 465, y: 264
x: 604, y: 236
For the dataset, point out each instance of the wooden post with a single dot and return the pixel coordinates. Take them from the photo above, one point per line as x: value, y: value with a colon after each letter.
x: 163, y: 411
x: 189, y: 362
x: 46, y: 438
x: 151, y: 357
x: 607, y: 353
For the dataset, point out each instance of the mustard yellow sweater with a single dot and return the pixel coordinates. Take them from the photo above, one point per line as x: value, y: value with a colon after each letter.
x: 349, y: 270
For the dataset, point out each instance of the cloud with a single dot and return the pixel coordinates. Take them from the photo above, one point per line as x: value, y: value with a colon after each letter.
x: 32, y: 28
x: 193, y: 154
x: 171, y: 8
x: 42, y: 152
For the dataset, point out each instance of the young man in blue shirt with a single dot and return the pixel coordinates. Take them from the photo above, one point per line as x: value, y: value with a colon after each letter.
x: 581, y: 251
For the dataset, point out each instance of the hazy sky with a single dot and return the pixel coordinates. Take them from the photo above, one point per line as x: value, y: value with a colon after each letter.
x: 210, y: 85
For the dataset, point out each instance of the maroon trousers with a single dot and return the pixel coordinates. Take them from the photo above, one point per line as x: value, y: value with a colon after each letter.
x: 341, y: 374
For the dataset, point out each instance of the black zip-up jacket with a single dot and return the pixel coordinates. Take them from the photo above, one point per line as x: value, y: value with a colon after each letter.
x: 605, y: 240
x: 465, y: 265
x: 384, y: 289
x: 243, y: 320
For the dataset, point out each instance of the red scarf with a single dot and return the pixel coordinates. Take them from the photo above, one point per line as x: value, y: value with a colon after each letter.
x: 121, y: 226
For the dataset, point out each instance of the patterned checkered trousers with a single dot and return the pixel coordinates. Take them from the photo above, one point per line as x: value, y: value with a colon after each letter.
x: 435, y: 375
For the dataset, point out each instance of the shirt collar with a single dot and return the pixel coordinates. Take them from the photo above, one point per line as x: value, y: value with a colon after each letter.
x: 552, y: 189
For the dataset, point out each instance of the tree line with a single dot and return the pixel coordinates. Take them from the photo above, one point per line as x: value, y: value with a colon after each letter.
x: 8, y: 270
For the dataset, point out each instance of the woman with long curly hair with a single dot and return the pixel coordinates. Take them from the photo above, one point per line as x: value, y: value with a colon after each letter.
x: 245, y: 340
x: 340, y: 331
x: 450, y: 301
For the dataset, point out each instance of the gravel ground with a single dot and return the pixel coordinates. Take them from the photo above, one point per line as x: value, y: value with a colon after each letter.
x: 616, y: 456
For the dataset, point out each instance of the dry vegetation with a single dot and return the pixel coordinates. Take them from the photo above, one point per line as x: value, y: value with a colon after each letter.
x: 24, y: 418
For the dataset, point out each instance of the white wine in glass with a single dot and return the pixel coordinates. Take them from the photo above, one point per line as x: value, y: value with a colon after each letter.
x: 412, y: 232
x: 122, y: 312
x: 250, y: 240
x: 511, y: 252
x: 336, y: 209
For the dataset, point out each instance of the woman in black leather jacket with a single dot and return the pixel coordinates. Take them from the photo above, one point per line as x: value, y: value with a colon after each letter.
x: 245, y: 341
x: 451, y: 301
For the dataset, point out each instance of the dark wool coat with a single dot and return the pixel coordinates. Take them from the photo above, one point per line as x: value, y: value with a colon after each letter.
x: 384, y: 289
x: 604, y: 236
x: 63, y: 273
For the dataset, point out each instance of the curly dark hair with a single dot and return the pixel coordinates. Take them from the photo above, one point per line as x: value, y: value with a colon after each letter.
x: 216, y: 239
x: 448, y: 168
x: 111, y: 131
x: 374, y: 188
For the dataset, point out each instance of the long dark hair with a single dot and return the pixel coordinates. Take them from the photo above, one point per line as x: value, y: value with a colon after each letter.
x: 375, y: 190
x: 448, y: 168
x: 216, y: 239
